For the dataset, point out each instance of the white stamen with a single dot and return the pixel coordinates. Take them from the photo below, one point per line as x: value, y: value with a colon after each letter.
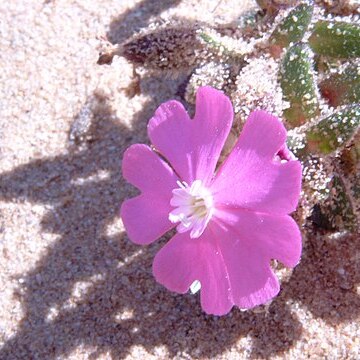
x: 193, y: 208
x: 195, y: 287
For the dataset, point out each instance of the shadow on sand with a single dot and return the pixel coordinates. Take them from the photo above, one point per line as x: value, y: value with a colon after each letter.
x: 124, y: 306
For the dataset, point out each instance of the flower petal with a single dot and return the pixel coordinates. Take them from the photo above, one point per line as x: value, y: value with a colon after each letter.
x: 231, y: 260
x: 145, y: 217
x: 271, y: 236
x: 248, y: 242
x: 193, y: 146
x: 250, y: 178
x: 183, y: 260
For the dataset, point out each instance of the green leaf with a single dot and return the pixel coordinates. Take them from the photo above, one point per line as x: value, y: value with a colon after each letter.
x: 336, y: 39
x: 334, y: 131
x: 338, y: 207
x: 222, y: 45
x: 293, y: 26
x: 298, y: 86
x: 343, y: 87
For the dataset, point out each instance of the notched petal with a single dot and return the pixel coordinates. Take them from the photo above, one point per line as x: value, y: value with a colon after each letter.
x: 250, y: 178
x: 145, y: 217
x: 231, y: 260
x: 193, y: 147
x: 143, y: 168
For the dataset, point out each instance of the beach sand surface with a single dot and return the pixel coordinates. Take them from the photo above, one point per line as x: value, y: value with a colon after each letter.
x: 72, y: 284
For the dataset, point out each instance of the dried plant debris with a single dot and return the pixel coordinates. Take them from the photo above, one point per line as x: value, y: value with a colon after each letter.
x: 296, y: 59
x: 81, y: 124
x: 272, y: 6
x: 80, y: 134
x: 165, y: 48
x: 341, y: 7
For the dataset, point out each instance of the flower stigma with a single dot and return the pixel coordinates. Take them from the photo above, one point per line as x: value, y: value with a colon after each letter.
x: 193, y: 208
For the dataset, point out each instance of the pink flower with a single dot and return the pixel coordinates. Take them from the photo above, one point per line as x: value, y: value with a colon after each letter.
x: 230, y: 222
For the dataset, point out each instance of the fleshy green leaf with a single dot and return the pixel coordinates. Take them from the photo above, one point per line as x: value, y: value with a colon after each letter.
x: 338, y: 207
x: 343, y: 87
x: 336, y: 39
x: 224, y: 46
x: 298, y: 86
x: 329, y: 134
x: 334, y: 131
x: 293, y: 27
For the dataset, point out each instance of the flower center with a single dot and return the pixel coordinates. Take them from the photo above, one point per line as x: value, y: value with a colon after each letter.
x: 193, y: 207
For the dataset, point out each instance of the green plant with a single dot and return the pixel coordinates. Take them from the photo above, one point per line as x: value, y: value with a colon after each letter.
x: 297, y: 59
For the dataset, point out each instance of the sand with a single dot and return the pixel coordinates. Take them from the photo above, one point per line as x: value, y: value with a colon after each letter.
x: 72, y: 284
